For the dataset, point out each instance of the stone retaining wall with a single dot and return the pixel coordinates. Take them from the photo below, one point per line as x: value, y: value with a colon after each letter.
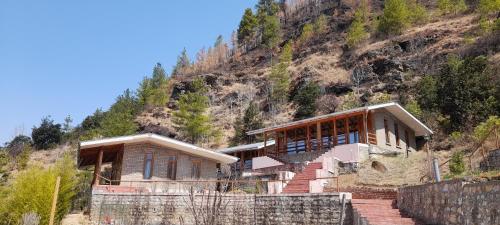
x: 453, y: 202
x: 492, y: 162
x: 241, y: 209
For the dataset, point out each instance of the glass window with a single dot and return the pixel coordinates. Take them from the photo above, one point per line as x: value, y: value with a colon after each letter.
x: 172, y: 167
x: 196, y: 169
x: 148, y: 165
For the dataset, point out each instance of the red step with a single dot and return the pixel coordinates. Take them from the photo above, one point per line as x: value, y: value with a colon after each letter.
x: 300, y: 182
x: 379, y: 212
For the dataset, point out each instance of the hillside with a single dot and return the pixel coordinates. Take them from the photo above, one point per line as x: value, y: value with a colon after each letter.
x: 390, y: 65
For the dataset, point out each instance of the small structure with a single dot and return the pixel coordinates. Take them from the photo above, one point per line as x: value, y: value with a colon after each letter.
x: 149, y: 162
x: 321, y: 142
x: 246, y: 153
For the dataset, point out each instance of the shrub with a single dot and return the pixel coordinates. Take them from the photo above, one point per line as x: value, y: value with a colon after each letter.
x: 251, y: 121
x: 47, y: 135
x: 306, y: 34
x: 320, y: 24
x: 350, y: 101
x: 414, y: 108
x: 327, y: 104
x: 483, y: 129
x: 33, y: 189
x: 418, y: 12
x: 451, y: 6
x: 456, y: 164
x: 488, y: 6
x: 119, y: 120
x: 356, y: 32
x: 395, y: 17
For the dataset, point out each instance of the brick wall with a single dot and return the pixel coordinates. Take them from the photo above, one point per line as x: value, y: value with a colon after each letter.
x: 453, y: 202
x: 133, y: 163
x: 242, y: 209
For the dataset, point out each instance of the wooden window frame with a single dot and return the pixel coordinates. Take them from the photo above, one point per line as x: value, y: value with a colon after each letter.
x: 151, y: 172
x: 396, y: 134
x: 193, y: 163
x: 174, y: 167
x: 387, y: 132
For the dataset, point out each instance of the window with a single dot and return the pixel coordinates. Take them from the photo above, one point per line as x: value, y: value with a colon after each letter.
x: 172, y: 167
x: 386, y: 128
x: 196, y: 169
x: 396, y: 133
x: 148, y: 166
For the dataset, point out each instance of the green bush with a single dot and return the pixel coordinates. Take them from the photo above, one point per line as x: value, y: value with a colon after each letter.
x: 356, y: 32
x: 395, y: 18
x: 47, y: 135
x: 418, y: 12
x: 451, y: 6
x: 33, y: 190
x: 414, y: 108
x: 306, y: 34
x: 456, y: 164
x: 320, y: 24
x: 488, y: 6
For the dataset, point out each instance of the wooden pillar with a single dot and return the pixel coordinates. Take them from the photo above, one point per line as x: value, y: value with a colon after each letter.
x: 278, y: 143
x: 265, y: 143
x: 242, y: 161
x: 295, y: 138
x: 308, y: 139
x: 285, y: 149
x: 335, y: 137
x: 346, y: 130
x: 116, y: 167
x: 319, y: 141
x: 365, y: 128
x: 97, y: 168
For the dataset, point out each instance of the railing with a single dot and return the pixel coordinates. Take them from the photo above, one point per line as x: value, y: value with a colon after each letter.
x: 372, y: 138
x: 197, y: 186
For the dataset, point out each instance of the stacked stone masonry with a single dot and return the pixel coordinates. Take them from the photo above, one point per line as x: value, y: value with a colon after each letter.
x: 492, y: 162
x: 241, y: 209
x: 453, y: 202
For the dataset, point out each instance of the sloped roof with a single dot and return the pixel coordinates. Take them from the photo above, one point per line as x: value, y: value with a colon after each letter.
x: 162, y: 141
x: 392, y: 107
x: 243, y: 148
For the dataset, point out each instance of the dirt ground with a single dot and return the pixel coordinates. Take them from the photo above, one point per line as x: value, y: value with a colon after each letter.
x: 76, y: 219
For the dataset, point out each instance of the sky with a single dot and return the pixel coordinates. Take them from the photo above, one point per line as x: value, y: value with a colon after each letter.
x: 63, y: 58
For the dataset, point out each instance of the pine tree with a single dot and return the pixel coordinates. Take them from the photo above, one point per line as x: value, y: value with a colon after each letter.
x: 119, y: 120
x: 306, y: 100
x: 280, y: 77
x: 192, y: 120
x: 251, y: 121
x: 182, y: 64
x: 395, y: 18
x: 271, y: 33
x: 266, y: 8
x: 153, y: 91
x: 247, y: 27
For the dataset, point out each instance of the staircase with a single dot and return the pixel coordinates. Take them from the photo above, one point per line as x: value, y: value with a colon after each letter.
x: 379, y: 212
x: 300, y: 182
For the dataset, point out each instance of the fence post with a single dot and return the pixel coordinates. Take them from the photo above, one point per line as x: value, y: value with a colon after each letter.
x: 54, y: 201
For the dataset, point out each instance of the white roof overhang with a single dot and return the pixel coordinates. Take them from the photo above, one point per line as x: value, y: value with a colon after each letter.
x: 161, y: 141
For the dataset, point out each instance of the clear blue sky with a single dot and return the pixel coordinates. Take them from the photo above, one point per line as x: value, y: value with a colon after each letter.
x: 64, y: 58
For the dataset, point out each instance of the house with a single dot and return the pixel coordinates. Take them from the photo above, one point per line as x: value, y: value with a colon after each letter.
x: 321, y: 142
x: 148, y: 162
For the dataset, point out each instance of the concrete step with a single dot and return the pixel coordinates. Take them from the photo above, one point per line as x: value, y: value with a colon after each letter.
x: 379, y: 212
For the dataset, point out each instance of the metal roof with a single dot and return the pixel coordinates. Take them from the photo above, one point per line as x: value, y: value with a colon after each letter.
x: 162, y: 141
x: 243, y: 148
x: 393, y: 107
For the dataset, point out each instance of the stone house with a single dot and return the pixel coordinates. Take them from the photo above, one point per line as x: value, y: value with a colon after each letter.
x: 319, y: 144
x: 149, y: 162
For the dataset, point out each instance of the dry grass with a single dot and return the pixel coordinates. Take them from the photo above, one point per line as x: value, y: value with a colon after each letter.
x: 400, y: 171
x: 76, y: 219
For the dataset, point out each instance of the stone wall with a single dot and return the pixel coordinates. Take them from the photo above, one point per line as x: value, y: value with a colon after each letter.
x: 453, y: 202
x: 492, y: 162
x: 240, y: 209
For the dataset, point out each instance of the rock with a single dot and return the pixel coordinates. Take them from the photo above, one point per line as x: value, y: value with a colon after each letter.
x: 339, y: 88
